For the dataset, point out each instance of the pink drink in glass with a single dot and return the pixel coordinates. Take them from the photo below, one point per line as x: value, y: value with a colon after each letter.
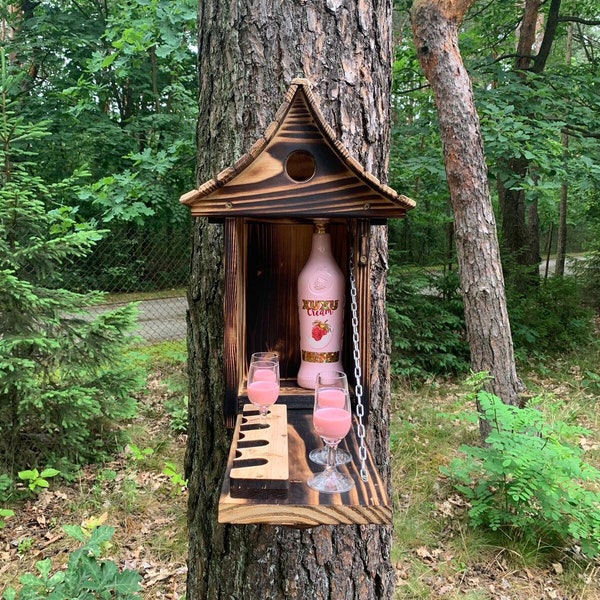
x: 332, y: 423
x: 332, y: 398
x: 263, y: 393
x: 264, y: 375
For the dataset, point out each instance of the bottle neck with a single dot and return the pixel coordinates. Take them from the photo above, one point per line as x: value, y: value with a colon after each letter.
x: 321, y: 245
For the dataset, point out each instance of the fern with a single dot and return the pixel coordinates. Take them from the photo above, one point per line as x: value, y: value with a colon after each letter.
x: 529, y: 478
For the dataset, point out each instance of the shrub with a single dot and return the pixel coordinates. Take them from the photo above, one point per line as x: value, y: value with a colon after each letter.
x: 529, y: 480
x: 551, y: 318
x: 426, y: 321
x: 64, y: 374
x: 588, y: 272
x: 86, y: 576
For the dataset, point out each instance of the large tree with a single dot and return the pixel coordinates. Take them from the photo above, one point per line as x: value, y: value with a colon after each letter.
x: 435, y: 30
x: 248, y: 54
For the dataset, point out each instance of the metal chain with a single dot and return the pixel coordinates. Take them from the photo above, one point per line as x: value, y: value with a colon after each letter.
x: 360, y: 410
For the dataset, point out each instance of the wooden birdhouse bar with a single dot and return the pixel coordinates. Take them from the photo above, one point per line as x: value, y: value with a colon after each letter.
x: 298, y: 171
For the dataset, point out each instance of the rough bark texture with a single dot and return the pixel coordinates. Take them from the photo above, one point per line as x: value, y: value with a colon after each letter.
x: 248, y: 54
x: 435, y: 32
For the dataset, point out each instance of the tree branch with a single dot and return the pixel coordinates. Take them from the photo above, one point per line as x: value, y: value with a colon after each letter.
x: 580, y: 131
x: 579, y: 20
x: 539, y: 62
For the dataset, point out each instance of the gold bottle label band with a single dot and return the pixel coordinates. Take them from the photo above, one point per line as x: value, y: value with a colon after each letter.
x: 320, y: 357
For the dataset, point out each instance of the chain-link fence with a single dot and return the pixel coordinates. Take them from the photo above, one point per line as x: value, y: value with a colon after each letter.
x: 147, y: 265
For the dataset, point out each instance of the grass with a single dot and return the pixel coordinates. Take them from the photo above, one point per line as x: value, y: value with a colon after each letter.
x: 435, y: 553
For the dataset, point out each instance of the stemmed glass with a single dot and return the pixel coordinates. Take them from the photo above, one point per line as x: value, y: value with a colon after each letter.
x: 263, y: 384
x: 271, y: 355
x: 332, y: 419
x: 335, y: 389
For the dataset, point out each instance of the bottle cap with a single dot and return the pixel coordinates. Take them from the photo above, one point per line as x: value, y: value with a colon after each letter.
x: 320, y: 225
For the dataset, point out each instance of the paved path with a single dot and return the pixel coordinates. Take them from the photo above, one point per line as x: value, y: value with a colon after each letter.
x: 158, y: 320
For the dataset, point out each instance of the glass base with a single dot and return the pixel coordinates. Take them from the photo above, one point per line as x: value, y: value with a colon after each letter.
x: 319, y: 456
x: 330, y: 482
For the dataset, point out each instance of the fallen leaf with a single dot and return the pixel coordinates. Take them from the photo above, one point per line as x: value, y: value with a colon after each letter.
x: 558, y: 568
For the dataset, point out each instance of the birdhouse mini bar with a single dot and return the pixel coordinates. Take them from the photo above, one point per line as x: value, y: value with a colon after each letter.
x: 297, y: 211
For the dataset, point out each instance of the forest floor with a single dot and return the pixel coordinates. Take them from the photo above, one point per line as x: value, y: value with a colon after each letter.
x: 435, y: 554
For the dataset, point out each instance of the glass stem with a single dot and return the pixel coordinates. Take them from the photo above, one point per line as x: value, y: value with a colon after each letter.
x: 331, y: 457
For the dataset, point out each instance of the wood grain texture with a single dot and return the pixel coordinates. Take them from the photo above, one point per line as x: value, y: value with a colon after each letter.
x: 258, y: 459
x: 263, y: 260
x: 300, y: 506
x: 259, y: 183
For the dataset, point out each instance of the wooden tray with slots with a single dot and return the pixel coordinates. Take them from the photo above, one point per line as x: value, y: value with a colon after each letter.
x: 260, y: 494
x: 259, y: 464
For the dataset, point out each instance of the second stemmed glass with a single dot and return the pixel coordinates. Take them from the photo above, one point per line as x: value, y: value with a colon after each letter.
x: 263, y: 384
x: 335, y: 389
x: 332, y: 419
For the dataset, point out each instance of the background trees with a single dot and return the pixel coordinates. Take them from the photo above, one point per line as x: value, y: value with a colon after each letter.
x: 526, y: 103
x: 525, y: 116
x: 116, y: 85
x: 64, y: 379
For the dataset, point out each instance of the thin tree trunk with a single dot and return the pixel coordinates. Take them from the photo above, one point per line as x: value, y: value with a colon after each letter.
x: 561, y: 243
x: 248, y: 54
x: 435, y: 30
x: 533, y: 223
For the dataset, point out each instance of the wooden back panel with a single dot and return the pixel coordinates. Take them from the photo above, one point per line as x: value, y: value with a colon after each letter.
x: 263, y: 261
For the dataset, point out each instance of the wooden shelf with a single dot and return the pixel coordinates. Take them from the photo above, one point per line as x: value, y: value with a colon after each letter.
x: 295, y: 504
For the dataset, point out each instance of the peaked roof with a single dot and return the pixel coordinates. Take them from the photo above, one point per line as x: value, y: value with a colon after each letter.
x: 297, y: 169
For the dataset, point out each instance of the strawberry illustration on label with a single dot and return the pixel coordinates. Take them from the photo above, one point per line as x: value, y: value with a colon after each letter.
x: 320, y: 329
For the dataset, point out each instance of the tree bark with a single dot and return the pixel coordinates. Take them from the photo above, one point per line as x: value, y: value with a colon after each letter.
x: 248, y: 54
x: 561, y: 243
x: 435, y: 31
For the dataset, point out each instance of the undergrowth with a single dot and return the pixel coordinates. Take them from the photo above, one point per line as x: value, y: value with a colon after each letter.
x: 438, y: 550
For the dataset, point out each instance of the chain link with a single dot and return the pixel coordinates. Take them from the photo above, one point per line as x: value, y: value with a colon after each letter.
x: 360, y: 410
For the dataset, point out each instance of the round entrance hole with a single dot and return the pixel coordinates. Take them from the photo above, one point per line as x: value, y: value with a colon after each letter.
x: 300, y: 166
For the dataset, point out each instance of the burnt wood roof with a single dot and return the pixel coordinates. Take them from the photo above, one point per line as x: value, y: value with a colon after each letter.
x: 297, y: 169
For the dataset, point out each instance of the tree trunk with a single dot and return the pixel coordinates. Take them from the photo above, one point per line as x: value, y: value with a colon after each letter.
x: 248, y: 54
x: 435, y: 30
x: 561, y: 243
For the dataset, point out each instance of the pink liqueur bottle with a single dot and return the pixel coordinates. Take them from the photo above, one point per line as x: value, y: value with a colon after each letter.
x: 320, y: 309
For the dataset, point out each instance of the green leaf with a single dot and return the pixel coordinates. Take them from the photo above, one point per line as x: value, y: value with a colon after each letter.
x: 75, y: 531
x: 28, y: 474
x: 49, y: 473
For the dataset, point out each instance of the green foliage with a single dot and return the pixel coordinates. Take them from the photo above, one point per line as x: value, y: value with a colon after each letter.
x: 177, y: 409
x: 64, y: 377
x: 115, y: 85
x: 176, y: 478
x: 4, y: 514
x: 529, y: 479
x: 426, y: 324
x: 36, y: 480
x: 6, y: 486
x: 523, y: 118
x: 85, y: 576
x: 588, y: 273
x: 550, y: 319
x: 139, y: 453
